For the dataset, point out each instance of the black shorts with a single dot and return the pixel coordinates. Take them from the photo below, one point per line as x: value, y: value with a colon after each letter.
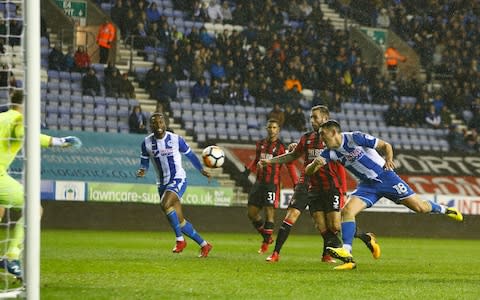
x: 264, y: 195
x: 325, y: 201
x: 315, y: 200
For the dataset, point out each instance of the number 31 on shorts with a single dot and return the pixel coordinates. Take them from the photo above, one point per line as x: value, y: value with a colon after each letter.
x: 271, y: 197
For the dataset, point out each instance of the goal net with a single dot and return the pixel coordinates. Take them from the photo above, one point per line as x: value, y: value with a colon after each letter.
x: 20, y: 71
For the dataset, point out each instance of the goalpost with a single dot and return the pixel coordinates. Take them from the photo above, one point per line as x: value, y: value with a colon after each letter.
x: 24, y: 62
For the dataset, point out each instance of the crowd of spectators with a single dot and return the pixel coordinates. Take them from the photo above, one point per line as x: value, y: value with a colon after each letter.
x: 270, y: 62
x: 446, y: 36
x: 114, y: 83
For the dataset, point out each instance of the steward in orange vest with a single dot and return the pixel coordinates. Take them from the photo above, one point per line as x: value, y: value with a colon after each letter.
x: 105, y: 38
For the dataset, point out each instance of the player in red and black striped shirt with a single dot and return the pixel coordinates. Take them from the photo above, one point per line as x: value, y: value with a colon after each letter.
x: 265, y: 193
x: 322, y: 192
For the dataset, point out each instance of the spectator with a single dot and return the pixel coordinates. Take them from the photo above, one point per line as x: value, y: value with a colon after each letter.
x: 383, y: 20
x: 113, y: 84
x: 393, y: 116
x: 246, y: 99
x: 293, y: 81
x: 298, y: 120
x: 127, y: 90
x: 140, y: 37
x: 152, y: 80
x: 289, y: 121
x: 217, y: 70
x: 82, y: 59
x: 232, y: 93
x: 392, y: 56
x: 56, y: 59
x: 205, y: 38
x: 226, y: 12
x: 167, y: 92
x: 214, y: 12
x: 216, y: 93
x: 456, y: 139
x: 445, y: 115
x: 90, y: 83
x: 15, y: 32
x: 137, y: 121
x: 433, y: 118
x: 109, y: 69
x: 118, y: 13
x: 201, y: 91
x: 263, y: 95
x: 417, y: 115
x: 153, y: 15
x: 278, y: 114
x: 69, y: 60
x: 105, y: 39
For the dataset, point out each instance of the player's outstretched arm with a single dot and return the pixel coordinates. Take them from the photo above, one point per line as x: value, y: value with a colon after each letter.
x: 68, y: 141
x: 387, y: 149
x: 280, y: 159
x: 316, y: 164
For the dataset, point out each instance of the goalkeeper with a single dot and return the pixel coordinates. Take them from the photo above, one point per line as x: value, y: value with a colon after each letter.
x: 11, y: 191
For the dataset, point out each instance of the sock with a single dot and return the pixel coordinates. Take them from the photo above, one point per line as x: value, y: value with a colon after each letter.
x: 267, y: 231
x: 188, y: 230
x: 258, y: 225
x: 324, y: 237
x: 348, y: 231
x: 16, y: 244
x: 173, y: 220
x: 283, y: 233
x: 437, y: 208
x: 333, y: 240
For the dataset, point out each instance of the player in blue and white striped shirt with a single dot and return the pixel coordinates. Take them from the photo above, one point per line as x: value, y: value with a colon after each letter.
x: 357, y: 151
x: 164, y: 149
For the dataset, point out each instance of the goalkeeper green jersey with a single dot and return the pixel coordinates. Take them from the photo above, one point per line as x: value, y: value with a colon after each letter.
x: 11, y: 137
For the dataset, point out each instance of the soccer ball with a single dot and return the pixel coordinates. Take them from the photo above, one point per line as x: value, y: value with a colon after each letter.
x: 213, y: 156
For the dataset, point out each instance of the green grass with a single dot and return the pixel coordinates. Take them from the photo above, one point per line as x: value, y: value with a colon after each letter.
x: 139, y: 265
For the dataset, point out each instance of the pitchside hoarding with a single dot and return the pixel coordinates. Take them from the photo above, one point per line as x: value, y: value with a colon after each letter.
x: 104, y: 157
x: 131, y: 193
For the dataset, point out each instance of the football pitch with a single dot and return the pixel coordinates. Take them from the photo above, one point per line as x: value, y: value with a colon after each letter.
x: 140, y: 265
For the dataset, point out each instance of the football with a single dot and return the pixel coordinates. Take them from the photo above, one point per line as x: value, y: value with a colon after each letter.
x: 213, y: 156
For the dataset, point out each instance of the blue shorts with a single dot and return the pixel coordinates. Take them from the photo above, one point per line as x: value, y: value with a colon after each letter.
x: 176, y: 185
x: 391, y: 187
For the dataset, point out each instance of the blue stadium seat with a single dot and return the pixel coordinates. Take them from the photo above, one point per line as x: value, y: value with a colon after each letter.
x: 53, y: 75
x: 64, y: 76
x: 52, y: 121
x: 100, y: 125
x: 76, y: 101
x: 88, y: 101
x: 100, y: 101
x: 53, y: 85
x: 76, y: 77
x: 64, y: 110
x: 132, y: 103
x: 88, y: 125
x: 232, y: 133
x: 63, y: 123
x: 122, y: 103
x: 76, y: 124
x: 111, y: 102
x: 123, y: 128
x: 112, y: 125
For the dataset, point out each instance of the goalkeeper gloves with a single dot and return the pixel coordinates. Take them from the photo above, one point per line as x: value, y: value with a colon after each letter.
x: 68, y: 141
x: 73, y: 141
